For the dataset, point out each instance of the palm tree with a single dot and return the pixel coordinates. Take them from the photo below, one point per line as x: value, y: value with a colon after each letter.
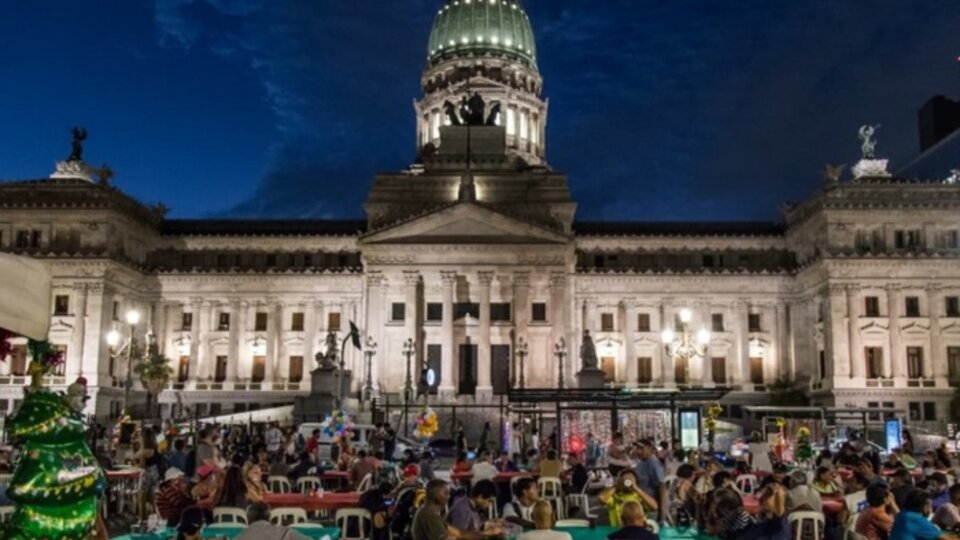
x: 155, y: 373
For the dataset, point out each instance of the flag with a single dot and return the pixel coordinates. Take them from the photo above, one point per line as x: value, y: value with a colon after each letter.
x: 355, y: 336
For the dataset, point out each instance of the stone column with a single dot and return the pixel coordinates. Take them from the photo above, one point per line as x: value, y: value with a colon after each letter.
x: 75, y: 358
x: 935, y: 361
x: 236, y: 336
x: 703, y: 308
x: 630, y: 340
x: 558, y: 284
x: 274, y: 313
x: 206, y: 321
x: 375, y: 283
x: 521, y: 314
x: 666, y: 361
x: 194, y: 369
x: 411, y: 284
x: 838, y: 345
x: 858, y: 366
x: 783, y: 350
x: 484, y: 384
x: 449, y: 280
x: 898, y: 359
x: 741, y: 319
x: 161, y: 318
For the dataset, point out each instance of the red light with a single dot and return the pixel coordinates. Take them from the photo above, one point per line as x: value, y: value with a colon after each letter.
x: 576, y: 444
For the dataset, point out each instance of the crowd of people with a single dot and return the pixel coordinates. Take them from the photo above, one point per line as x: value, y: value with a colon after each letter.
x: 635, y: 485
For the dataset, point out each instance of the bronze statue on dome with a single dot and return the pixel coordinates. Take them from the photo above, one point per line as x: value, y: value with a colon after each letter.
x: 79, y: 135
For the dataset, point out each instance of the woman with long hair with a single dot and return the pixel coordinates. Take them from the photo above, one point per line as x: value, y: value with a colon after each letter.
x: 253, y: 483
x: 233, y: 494
x: 148, y: 458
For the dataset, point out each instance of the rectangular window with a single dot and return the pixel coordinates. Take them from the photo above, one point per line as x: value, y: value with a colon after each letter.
x: 643, y: 322
x: 822, y: 364
x: 708, y: 261
x: 223, y: 323
x: 873, y: 356
x: 680, y: 370
x: 539, y: 312
x: 333, y: 321
x: 914, y: 407
x: 296, y: 369
x: 716, y: 322
x: 183, y: 373
x: 463, y: 309
x: 949, y: 240
x: 259, y: 371
x: 296, y: 322
x: 912, y: 305
x: 953, y: 362
x: 915, y: 362
x: 929, y: 411
x: 754, y: 322
x: 216, y: 409
x: 952, y: 306
x: 186, y: 322
x: 500, y: 369
x: 523, y: 125
x: 23, y: 239
x: 511, y: 121
x: 606, y: 322
x: 434, y: 362
x: 871, y: 306
x: 500, y: 312
x: 220, y: 374
x: 61, y: 304
x: 874, y: 416
x: 260, y: 322
x: 271, y: 260
x: 608, y: 365
x: 434, y: 312
x: 756, y: 370
x: 907, y: 239
x: 398, y: 312
x: 644, y: 370
x: 115, y: 315
x: 35, y: 238
x: 719, y: 365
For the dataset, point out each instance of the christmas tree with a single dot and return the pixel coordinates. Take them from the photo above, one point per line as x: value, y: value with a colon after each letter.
x: 56, y: 480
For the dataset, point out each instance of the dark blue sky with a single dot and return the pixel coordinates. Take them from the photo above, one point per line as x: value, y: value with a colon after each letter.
x: 659, y: 109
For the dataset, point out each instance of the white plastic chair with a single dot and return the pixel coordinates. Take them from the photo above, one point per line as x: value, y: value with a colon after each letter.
x: 6, y: 513
x: 801, y: 521
x: 288, y: 516
x: 225, y: 527
x: 363, y: 519
x: 278, y: 484
x: 747, y: 484
x: 550, y: 487
x: 653, y: 526
x: 308, y: 484
x: 572, y: 523
x: 365, y: 483
x: 229, y: 515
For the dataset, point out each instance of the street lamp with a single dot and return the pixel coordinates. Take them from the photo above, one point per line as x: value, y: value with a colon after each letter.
x: 371, y: 350
x: 684, y: 345
x: 523, y: 349
x: 560, y: 351
x: 409, y: 349
x: 114, y: 339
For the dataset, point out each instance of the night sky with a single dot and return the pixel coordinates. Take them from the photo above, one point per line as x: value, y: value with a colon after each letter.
x: 659, y: 109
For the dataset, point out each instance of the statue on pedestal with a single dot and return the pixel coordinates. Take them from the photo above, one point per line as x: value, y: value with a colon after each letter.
x: 869, y: 145
x: 588, y: 353
x: 327, y: 359
x: 79, y: 135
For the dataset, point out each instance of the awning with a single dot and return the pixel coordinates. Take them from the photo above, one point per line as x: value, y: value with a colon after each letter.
x: 24, y: 296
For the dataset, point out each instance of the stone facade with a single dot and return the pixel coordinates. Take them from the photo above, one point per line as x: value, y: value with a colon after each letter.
x: 854, y: 296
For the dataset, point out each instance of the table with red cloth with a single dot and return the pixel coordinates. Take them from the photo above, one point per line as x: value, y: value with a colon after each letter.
x: 312, y: 503
x: 123, y: 484
x: 830, y: 505
x: 334, y: 477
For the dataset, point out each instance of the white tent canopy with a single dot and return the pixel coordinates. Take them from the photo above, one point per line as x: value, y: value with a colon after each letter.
x: 24, y: 296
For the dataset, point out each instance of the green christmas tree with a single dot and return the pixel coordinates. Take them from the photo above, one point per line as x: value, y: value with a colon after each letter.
x: 57, y: 479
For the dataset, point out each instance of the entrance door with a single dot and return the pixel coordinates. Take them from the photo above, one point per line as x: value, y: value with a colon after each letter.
x: 500, y: 369
x: 756, y: 370
x: 468, y: 370
x: 184, y: 372
x: 680, y: 370
x: 609, y: 366
x: 259, y: 371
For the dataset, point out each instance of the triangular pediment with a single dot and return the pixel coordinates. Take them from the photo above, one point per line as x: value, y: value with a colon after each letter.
x: 465, y: 223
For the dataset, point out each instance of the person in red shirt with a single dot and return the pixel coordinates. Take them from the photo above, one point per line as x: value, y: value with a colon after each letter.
x: 313, y: 444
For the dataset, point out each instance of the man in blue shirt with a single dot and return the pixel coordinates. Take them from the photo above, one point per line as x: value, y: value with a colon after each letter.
x: 912, y: 523
x: 650, y: 473
x: 938, y: 489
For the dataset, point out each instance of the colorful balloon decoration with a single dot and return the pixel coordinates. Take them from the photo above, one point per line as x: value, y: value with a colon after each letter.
x: 57, y: 479
x: 338, y: 425
x: 427, y: 424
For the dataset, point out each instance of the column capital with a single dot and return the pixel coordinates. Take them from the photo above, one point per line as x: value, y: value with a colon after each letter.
x: 934, y: 289
x: 376, y: 279
x: 234, y: 303
x: 95, y: 288
x: 80, y: 288
x: 836, y: 289
x: 558, y: 280
x: 411, y: 278
x: 892, y: 288
x: 448, y: 278
x: 521, y: 279
x: 853, y: 288
x: 196, y: 301
x: 485, y: 278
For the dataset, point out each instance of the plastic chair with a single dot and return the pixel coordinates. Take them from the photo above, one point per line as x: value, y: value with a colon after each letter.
x: 362, y: 518
x: 278, y: 484
x: 225, y: 527
x: 572, y: 523
x: 229, y: 515
x: 6, y: 513
x: 550, y: 487
x: 747, y: 484
x: 308, y: 484
x: 365, y: 483
x: 653, y: 526
x: 288, y: 516
x: 801, y: 521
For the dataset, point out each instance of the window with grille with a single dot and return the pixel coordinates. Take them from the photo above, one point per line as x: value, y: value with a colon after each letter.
x: 333, y: 321
x: 398, y: 312
x: 434, y: 312
x: 915, y: 362
x: 223, y: 323
x: 643, y: 322
x: 186, y: 322
x: 539, y: 312
x: 929, y: 411
x: 23, y: 239
x: 952, y: 306
x: 754, y: 322
x: 465, y: 309
x: 912, y: 305
x: 61, y: 304
x: 606, y: 322
x: 260, y: 322
x: 296, y: 322
x: 716, y: 322
x: 871, y: 306
x: 500, y: 312
x: 873, y: 356
x: 296, y: 369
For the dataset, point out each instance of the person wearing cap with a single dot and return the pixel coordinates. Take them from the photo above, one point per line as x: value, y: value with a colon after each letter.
x: 206, y: 492
x: 173, y: 496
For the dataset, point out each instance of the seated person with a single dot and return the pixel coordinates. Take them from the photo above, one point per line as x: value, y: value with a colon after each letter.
x: 778, y: 476
x: 825, y: 482
x: 260, y: 528
x: 470, y: 512
x: 912, y: 523
x: 551, y: 467
x: 876, y: 521
x: 576, y: 476
x: 429, y: 524
x: 625, y: 489
x: 948, y: 515
x: 801, y: 496
x: 519, y: 511
x: 682, y: 490
x: 855, y: 501
x: 374, y: 500
x: 462, y: 465
x: 543, y: 524
x: 726, y: 516
x: 901, y: 483
x: 633, y: 524
x: 893, y: 461
x: 938, y: 484
x: 483, y: 469
x: 505, y: 464
x: 173, y: 496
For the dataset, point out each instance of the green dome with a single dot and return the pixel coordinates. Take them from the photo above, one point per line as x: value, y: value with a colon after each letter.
x: 500, y: 27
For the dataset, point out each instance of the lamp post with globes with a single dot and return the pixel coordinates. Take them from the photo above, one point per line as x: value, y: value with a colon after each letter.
x: 522, y: 350
x: 682, y: 344
x: 560, y: 351
x: 114, y: 339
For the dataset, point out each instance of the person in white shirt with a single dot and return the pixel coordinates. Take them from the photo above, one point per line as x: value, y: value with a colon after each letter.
x: 274, y: 439
x: 484, y: 469
x: 519, y: 511
x: 802, y: 496
x: 543, y: 519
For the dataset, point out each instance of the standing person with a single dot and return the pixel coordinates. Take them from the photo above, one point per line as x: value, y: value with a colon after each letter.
x: 576, y: 477
x: 555, y: 439
x: 617, y: 458
x: 313, y: 445
x: 535, y: 440
x: 759, y: 453
x: 206, y: 452
x: 461, y: 440
x: 484, y: 435
x: 376, y: 440
x: 650, y: 474
x: 516, y: 439
x: 390, y: 444
x: 593, y: 450
x: 149, y: 460
x: 274, y: 439
x: 429, y: 524
x: 177, y: 458
x: 544, y: 522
